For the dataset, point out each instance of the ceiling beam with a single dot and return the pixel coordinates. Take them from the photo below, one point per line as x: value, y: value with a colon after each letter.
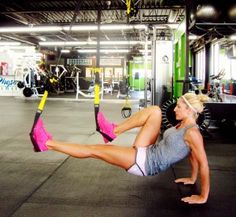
x: 71, y: 9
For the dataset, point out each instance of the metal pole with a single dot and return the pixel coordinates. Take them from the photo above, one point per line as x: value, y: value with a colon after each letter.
x: 153, y: 83
x: 98, y: 39
x: 186, y: 77
x: 207, y: 64
x: 145, y: 70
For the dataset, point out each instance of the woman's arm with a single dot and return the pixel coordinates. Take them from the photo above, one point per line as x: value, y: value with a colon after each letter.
x: 194, y: 165
x: 195, y: 141
x: 193, y: 178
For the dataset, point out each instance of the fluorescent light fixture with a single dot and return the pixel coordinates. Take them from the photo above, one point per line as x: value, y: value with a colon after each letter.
x: 122, y: 27
x: 120, y: 42
x: 173, y: 26
x: 115, y: 27
x: 167, y: 26
x: 208, y: 10
x: 66, y: 43
x: 87, y: 51
x: 54, y: 43
x: 103, y: 51
x: 233, y: 37
x: 65, y: 51
x: 9, y: 43
x: 114, y: 51
x: 75, y: 43
x: 140, y: 26
x: 41, y: 38
x: 192, y: 37
x: 81, y: 28
x: 31, y: 29
x: 68, y: 28
x: 28, y: 48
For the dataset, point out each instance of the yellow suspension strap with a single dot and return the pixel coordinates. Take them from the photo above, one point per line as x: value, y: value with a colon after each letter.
x: 97, y: 101
x: 49, y: 83
x: 131, y: 8
x: 96, y: 95
x: 128, y: 5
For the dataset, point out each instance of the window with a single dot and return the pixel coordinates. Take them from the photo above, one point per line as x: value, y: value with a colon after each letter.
x: 200, y: 65
x: 233, y: 69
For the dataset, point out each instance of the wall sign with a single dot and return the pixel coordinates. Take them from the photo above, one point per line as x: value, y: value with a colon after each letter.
x: 81, y: 62
x: 7, y: 83
x: 110, y: 62
x: 4, y: 68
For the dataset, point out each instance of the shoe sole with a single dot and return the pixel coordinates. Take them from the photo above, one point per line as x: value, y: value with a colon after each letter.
x: 106, y: 137
x: 36, y: 146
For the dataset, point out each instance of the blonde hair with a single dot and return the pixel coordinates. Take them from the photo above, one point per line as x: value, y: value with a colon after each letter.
x: 195, y: 102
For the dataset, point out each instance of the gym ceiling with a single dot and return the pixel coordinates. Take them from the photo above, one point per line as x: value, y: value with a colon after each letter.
x: 220, y: 22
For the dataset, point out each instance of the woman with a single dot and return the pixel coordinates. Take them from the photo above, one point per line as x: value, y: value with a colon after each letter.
x: 145, y: 157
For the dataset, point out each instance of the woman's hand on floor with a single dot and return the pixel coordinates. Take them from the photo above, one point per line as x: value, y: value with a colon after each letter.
x: 185, y: 181
x: 194, y: 199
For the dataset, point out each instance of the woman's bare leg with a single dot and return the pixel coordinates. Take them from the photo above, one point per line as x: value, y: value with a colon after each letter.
x: 123, y: 157
x: 138, y: 119
x: 149, y: 119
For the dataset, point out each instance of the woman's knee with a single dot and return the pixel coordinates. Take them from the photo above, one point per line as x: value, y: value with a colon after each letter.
x: 156, y: 110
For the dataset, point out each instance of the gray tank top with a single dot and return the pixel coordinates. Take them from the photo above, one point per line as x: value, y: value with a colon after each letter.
x: 171, y: 149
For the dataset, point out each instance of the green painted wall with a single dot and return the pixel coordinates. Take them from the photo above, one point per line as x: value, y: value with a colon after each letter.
x: 136, y: 70
x: 179, y: 60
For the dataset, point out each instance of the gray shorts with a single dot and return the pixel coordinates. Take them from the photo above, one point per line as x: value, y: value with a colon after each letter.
x: 138, y: 167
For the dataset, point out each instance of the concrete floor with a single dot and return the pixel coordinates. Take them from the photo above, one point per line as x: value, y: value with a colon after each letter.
x: 55, y: 185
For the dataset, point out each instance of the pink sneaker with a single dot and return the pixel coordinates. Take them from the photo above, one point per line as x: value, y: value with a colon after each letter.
x: 40, y: 136
x: 106, y: 128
